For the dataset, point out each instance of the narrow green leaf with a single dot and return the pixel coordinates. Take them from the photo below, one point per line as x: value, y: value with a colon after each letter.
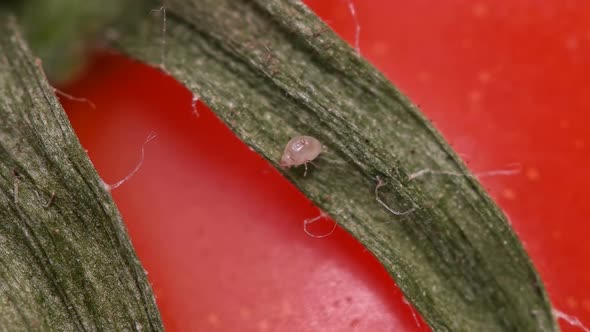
x: 272, y: 70
x: 66, y: 263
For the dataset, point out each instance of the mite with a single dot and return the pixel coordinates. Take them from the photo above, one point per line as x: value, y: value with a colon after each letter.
x: 301, y: 150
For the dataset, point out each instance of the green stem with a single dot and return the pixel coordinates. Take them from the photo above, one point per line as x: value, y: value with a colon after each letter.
x: 272, y: 70
x: 66, y: 261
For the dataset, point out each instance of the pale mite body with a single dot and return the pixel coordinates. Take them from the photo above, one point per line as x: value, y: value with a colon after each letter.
x: 301, y: 150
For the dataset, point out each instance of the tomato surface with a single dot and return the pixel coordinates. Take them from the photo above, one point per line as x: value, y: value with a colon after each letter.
x: 220, y: 232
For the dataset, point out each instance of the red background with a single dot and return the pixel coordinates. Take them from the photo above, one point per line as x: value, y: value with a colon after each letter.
x: 220, y: 231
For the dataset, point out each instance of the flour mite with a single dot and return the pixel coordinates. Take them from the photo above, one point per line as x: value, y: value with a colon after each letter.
x: 301, y: 150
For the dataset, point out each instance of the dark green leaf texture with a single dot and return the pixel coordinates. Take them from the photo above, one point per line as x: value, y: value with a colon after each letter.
x: 66, y: 263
